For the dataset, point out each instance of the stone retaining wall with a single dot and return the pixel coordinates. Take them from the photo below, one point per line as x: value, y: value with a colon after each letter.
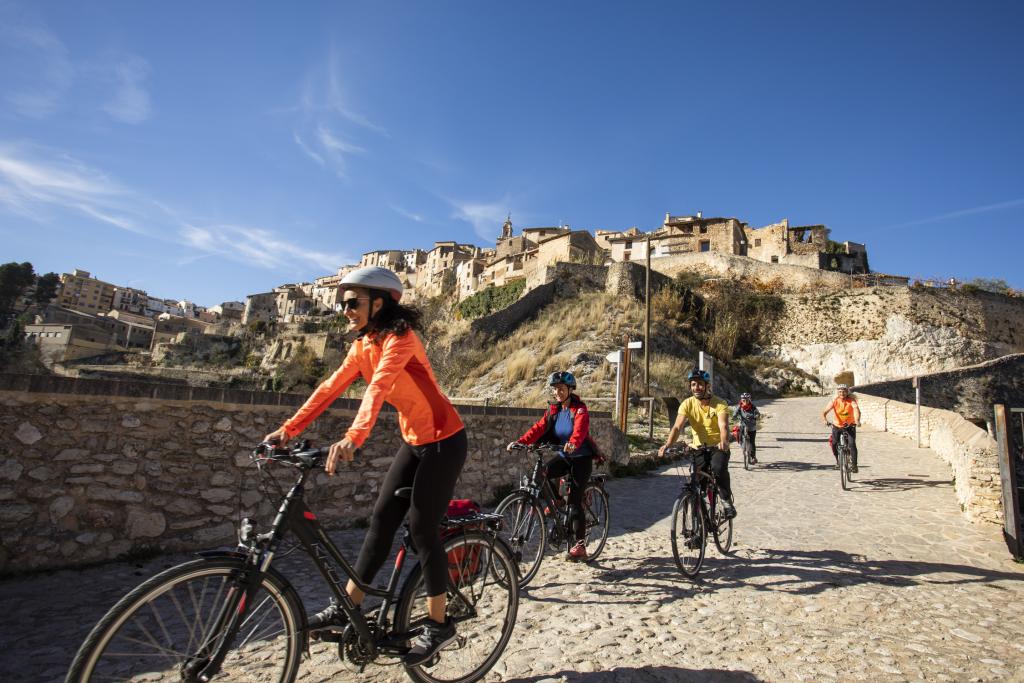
x: 969, y: 450
x: 92, y: 470
x: 968, y: 391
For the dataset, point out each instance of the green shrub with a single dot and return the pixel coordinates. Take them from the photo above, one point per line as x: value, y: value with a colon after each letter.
x: 491, y: 299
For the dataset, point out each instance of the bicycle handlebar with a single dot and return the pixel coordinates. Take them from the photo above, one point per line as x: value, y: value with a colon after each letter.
x: 303, y: 455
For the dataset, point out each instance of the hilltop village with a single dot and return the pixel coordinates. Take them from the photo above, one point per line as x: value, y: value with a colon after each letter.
x: 90, y: 317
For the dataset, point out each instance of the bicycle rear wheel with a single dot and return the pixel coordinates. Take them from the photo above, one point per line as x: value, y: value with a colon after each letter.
x: 688, y: 534
x: 747, y: 465
x: 482, y: 601
x: 522, y: 528
x: 169, y: 627
x: 596, y: 516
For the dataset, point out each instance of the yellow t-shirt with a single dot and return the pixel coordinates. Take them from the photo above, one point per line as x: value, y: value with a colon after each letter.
x: 704, y: 420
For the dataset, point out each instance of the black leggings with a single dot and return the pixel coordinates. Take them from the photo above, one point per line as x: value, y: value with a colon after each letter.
x: 431, y: 470
x: 752, y: 440
x: 719, y: 461
x: 852, y: 438
x: 579, y: 470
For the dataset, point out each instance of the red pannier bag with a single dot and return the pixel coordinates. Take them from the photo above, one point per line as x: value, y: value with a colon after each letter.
x: 736, y: 433
x: 462, y: 565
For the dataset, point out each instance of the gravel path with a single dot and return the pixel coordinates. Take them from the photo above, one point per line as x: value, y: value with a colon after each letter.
x: 884, y: 582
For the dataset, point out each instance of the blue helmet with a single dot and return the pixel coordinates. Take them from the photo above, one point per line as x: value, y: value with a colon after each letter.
x: 565, y: 378
x: 699, y: 375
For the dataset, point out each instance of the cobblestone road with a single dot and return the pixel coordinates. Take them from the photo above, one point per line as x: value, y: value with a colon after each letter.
x: 884, y: 582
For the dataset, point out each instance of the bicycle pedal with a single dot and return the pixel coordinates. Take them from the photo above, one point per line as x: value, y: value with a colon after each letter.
x: 326, y: 636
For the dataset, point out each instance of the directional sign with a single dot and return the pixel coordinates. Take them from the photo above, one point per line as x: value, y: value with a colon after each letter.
x: 635, y: 345
x: 614, y: 357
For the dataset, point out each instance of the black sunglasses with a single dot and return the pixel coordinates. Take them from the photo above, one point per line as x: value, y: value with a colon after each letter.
x: 353, y: 303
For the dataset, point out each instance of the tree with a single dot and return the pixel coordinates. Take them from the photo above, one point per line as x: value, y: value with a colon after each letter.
x: 46, y: 288
x: 14, y: 279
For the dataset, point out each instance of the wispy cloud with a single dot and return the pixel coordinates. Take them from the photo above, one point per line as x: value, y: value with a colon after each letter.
x: 38, y: 62
x: 257, y: 246
x: 486, y: 218
x: 407, y: 214
x: 130, y: 101
x: 309, y: 152
x: 33, y: 180
x: 963, y: 212
x: 327, y: 121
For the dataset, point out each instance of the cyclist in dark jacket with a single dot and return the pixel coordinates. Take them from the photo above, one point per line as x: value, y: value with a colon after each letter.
x: 747, y: 413
x: 567, y: 424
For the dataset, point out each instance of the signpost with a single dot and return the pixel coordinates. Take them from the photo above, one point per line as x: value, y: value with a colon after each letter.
x: 616, y: 358
x: 916, y: 383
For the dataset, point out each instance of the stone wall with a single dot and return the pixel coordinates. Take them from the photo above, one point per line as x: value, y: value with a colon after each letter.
x: 969, y: 450
x: 92, y: 470
x: 504, y: 322
x: 969, y: 392
x: 793, y: 278
x: 627, y: 279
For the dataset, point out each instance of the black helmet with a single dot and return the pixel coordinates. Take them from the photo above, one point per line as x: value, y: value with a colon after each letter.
x: 699, y: 375
x: 565, y: 378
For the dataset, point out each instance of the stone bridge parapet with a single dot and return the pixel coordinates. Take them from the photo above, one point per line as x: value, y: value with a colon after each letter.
x: 93, y: 470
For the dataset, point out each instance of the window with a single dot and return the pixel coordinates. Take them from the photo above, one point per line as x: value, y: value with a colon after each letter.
x: 688, y: 229
x: 625, y: 256
x: 629, y: 244
x: 703, y: 229
x: 757, y: 242
x: 705, y: 245
x: 775, y: 259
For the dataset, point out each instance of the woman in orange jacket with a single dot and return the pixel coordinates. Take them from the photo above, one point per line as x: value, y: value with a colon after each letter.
x: 389, y: 356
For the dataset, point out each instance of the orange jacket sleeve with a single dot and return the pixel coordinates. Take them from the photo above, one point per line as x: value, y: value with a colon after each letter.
x: 324, y: 395
x: 395, y: 355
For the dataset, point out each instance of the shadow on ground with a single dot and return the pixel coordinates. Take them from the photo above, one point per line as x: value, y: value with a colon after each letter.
x: 647, y: 673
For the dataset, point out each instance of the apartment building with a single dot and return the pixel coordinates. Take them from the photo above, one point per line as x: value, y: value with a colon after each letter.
x: 80, y: 291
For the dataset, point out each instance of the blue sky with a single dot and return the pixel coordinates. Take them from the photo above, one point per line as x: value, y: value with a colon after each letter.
x: 210, y: 150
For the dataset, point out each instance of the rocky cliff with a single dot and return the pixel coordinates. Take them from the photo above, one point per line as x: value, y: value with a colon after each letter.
x: 885, y: 333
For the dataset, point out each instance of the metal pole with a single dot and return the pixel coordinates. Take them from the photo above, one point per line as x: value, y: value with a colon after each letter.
x: 647, y: 327
x: 625, y: 388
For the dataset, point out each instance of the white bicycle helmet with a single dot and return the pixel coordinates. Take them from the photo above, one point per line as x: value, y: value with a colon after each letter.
x: 375, y: 277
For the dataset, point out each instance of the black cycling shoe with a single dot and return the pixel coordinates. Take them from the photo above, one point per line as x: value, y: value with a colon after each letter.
x: 432, y: 637
x: 855, y: 469
x: 331, y: 617
x: 728, y: 510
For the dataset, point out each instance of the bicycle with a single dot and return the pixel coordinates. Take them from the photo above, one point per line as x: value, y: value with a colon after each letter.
x: 844, y: 456
x: 698, y: 508
x: 230, y: 614
x: 523, y: 512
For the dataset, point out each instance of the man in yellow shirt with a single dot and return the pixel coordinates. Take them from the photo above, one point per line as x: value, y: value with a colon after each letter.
x: 708, y: 417
x: 847, y: 414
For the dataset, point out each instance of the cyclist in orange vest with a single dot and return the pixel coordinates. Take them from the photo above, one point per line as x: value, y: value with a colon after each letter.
x: 847, y: 413
x: 389, y: 356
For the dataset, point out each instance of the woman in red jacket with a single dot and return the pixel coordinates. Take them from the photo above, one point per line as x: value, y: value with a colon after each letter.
x: 567, y: 424
x: 389, y: 356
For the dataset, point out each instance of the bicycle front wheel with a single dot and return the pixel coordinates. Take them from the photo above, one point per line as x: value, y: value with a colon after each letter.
x: 169, y: 628
x: 522, y: 528
x: 596, y: 518
x: 483, y: 600
x: 688, y: 534
x: 721, y: 526
x: 844, y: 469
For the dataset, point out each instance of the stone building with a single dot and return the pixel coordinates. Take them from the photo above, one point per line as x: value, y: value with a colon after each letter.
x: 325, y: 292
x: 392, y: 259
x: 805, y: 245
x: 130, y: 300
x: 262, y: 306
x: 59, y: 342
x: 292, y: 300
x: 437, y: 274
